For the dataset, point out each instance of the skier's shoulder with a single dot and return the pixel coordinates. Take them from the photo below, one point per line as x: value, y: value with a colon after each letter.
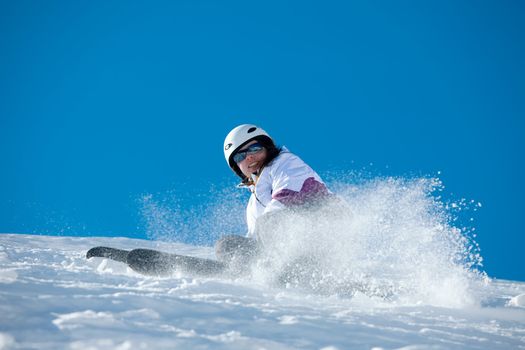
x: 284, y: 160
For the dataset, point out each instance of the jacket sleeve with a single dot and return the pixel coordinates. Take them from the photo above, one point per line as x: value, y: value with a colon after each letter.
x: 294, y: 183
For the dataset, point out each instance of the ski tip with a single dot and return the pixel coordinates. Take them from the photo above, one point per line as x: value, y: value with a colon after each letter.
x: 109, y: 253
x: 92, y: 252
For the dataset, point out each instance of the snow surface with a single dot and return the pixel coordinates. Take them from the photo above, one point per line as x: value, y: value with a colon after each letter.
x: 51, y: 297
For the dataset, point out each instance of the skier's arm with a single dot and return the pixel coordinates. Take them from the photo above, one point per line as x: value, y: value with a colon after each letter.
x: 294, y: 183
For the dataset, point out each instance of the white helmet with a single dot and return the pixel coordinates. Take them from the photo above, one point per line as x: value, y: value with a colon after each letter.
x: 237, y: 138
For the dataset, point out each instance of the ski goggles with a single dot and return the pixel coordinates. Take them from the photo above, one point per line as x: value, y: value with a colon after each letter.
x: 252, y: 149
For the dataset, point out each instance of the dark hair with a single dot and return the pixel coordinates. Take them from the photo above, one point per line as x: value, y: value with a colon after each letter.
x: 272, y: 151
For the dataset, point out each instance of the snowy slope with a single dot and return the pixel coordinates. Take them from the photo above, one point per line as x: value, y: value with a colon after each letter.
x: 51, y: 297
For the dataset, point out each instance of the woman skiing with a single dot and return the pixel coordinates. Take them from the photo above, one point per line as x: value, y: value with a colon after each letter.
x: 281, y: 186
x: 277, y: 179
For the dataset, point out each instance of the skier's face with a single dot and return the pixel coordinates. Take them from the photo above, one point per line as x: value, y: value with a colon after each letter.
x: 253, y: 161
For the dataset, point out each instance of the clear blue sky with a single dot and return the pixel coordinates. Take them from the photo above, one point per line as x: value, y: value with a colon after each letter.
x: 104, y: 101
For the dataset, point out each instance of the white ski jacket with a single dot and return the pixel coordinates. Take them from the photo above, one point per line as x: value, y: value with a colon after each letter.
x: 286, y: 181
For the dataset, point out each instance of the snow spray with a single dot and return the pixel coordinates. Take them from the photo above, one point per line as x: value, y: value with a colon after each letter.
x: 391, y: 238
x: 192, y: 217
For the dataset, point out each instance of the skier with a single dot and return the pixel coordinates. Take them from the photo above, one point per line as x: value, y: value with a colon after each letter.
x: 282, y: 186
x: 278, y: 181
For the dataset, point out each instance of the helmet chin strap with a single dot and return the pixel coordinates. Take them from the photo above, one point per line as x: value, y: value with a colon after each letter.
x: 252, y: 179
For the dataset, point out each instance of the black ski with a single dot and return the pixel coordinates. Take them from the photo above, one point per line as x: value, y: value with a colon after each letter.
x: 297, y: 275
x: 156, y: 263
x: 110, y: 253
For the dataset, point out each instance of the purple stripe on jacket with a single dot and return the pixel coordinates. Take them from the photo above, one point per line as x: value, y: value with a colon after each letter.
x: 310, y: 191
